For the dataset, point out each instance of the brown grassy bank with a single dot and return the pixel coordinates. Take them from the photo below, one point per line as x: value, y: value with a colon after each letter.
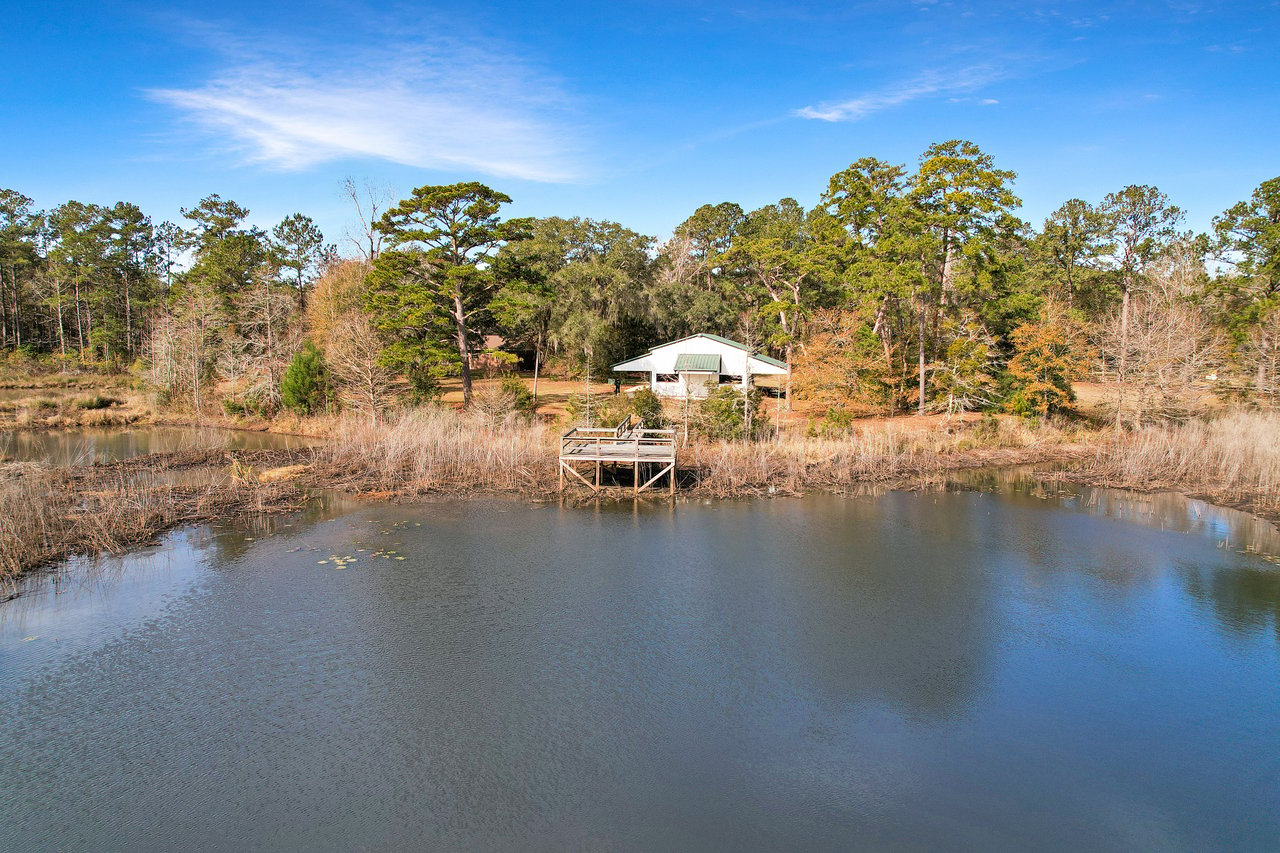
x: 1232, y: 460
x: 68, y: 408
x: 438, y: 450
x: 878, y: 453
x: 48, y: 514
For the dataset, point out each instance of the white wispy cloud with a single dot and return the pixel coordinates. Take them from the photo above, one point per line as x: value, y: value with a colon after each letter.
x: 448, y: 106
x: 929, y: 84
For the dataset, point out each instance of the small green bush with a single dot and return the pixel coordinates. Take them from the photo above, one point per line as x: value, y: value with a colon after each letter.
x: 588, y: 410
x: 22, y: 359
x: 305, y: 386
x: 647, y: 406
x: 521, y: 396
x: 987, y: 427
x: 722, y: 416
x: 508, y: 397
x: 644, y: 405
x: 243, y: 406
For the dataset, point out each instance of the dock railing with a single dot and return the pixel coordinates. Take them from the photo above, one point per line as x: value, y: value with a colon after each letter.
x: 629, y: 443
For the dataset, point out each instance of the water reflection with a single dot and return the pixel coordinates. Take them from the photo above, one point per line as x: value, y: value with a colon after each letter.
x: 1244, y: 602
x: 998, y: 669
x: 1164, y: 510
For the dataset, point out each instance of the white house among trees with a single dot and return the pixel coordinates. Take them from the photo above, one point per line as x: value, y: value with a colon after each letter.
x: 697, y: 365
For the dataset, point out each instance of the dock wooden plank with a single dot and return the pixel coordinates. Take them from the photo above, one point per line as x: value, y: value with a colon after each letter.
x: 628, y: 443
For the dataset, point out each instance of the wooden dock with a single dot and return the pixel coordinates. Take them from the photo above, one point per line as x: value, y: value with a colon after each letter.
x: 628, y: 444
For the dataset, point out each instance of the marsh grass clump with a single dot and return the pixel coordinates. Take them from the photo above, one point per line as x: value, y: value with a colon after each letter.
x: 1232, y: 459
x: 49, y: 514
x: 96, y: 401
x: 436, y: 449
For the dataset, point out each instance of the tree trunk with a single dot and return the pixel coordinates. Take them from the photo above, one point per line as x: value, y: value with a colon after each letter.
x: 948, y: 271
x: 537, y: 364
x: 788, y: 391
x: 920, y: 408
x: 460, y: 321
x: 79, y: 324
x: 1122, y: 370
x: 128, y: 318
x: 883, y: 332
x: 62, y: 332
x: 302, y: 290
x: 4, y: 307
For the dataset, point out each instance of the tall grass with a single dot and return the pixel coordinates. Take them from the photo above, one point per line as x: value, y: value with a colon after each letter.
x: 1234, y: 458
x: 48, y: 514
x: 442, y: 451
x: 436, y: 449
x: 876, y: 454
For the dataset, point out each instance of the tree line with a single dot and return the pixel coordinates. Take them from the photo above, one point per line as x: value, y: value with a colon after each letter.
x: 901, y: 289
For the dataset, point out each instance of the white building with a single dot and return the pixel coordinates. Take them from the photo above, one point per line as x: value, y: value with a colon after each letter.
x: 697, y: 365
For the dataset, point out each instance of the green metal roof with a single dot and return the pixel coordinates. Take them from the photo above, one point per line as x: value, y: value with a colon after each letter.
x: 697, y: 363
x: 766, y: 359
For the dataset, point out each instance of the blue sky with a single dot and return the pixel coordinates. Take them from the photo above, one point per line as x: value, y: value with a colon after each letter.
x: 636, y: 112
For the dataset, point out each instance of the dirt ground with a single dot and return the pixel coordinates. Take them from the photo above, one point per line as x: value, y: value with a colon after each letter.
x: 554, y: 394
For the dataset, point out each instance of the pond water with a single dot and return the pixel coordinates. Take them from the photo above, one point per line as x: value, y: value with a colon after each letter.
x: 1020, y: 668
x: 86, y: 446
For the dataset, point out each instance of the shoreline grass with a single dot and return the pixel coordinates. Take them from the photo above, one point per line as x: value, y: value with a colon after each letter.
x: 1232, y: 460
x: 49, y: 514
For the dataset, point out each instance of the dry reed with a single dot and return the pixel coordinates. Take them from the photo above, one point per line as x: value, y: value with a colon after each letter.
x: 878, y: 454
x: 1233, y: 459
x: 48, y: 514
x: 436, y: 449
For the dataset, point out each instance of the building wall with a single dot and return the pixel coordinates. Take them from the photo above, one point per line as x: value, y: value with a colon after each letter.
x: 695, y: 385
x: 733, y: 362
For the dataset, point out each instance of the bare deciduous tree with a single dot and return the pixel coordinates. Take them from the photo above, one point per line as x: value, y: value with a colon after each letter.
x: 270, y: 335
x: 1170, y: 348
x: 352, y: 353
x: 370, y: 200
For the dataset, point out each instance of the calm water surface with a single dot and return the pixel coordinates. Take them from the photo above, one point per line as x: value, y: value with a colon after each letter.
x: 1011, y: 670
